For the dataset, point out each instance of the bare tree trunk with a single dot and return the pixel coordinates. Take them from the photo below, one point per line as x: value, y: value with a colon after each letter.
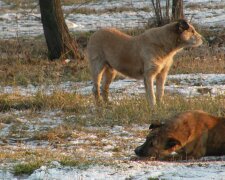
x: 58, y: 39
x: 158, y: 12
x: 177, y: 9
x: 163, y: 13
x: 168, y: 9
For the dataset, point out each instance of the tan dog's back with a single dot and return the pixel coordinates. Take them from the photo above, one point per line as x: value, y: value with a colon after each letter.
x: 117, y: 50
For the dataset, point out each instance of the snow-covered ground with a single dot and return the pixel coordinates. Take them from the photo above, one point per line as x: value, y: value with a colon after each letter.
x: 126, y: 165
x: 137, y: 170
x: 20, y: 126
x: 27, y: 22
x: 200, y: 170
x: 184, y: 84
x: 25, y: 126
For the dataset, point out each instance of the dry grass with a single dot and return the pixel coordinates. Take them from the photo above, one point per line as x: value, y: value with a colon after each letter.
x: 23, y: 4
x: 84, y: 10
x: 77, y: 2
x: 27, y: 161
x: 199, y: 6
x: 30, y: 4
x: 24, y: 62
x: 135, y: 110
x: 58, y: 100
x: 125, y: 112
x: 201, y: 60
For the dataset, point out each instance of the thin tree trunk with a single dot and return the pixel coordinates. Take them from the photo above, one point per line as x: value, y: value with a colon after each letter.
x: 177, y: 9
x: 168, y: 9
x: 58, y: 39
x: 158, y: 12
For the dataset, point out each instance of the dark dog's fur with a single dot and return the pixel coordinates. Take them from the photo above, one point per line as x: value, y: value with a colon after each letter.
x: 191, y: 134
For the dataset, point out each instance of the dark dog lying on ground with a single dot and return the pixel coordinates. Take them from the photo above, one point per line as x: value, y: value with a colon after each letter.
x: 192, y: 134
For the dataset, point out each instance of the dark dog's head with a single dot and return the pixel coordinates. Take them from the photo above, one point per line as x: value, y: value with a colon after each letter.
x: 188, y: 36
x: 158, y: 144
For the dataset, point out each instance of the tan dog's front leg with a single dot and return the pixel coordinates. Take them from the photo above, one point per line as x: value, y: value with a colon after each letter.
x: 149, y: 78
x: 160, y: 82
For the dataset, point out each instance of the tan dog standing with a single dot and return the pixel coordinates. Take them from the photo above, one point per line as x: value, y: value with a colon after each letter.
x: 147, y: 56
x: 192, y: 134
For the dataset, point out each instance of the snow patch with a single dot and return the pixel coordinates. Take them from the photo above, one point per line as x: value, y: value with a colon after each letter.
x: 132, y: 170
x: 184, y: 84
x: 27, y: 22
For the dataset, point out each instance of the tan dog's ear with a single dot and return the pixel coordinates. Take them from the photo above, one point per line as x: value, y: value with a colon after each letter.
x: 155, y: 125
x: 171, y: 142
x: 181, y: 26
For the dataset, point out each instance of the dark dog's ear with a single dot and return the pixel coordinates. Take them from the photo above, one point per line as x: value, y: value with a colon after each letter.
x: 181, y: 26
x: 155, y: 125
x: 171, y: 142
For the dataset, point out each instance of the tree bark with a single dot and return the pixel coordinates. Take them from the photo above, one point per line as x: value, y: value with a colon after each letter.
x: 60, y: 43
x: 177, y: 9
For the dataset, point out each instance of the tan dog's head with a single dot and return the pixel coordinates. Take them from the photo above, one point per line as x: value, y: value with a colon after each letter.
x: 188, y: 36
x: 159, y: 143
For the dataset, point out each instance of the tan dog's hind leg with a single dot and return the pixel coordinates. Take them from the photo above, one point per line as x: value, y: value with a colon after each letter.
x: 97, y: 70
x: 108, y: 76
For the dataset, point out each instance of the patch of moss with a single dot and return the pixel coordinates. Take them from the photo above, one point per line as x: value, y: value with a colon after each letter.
x: 26, y: 168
